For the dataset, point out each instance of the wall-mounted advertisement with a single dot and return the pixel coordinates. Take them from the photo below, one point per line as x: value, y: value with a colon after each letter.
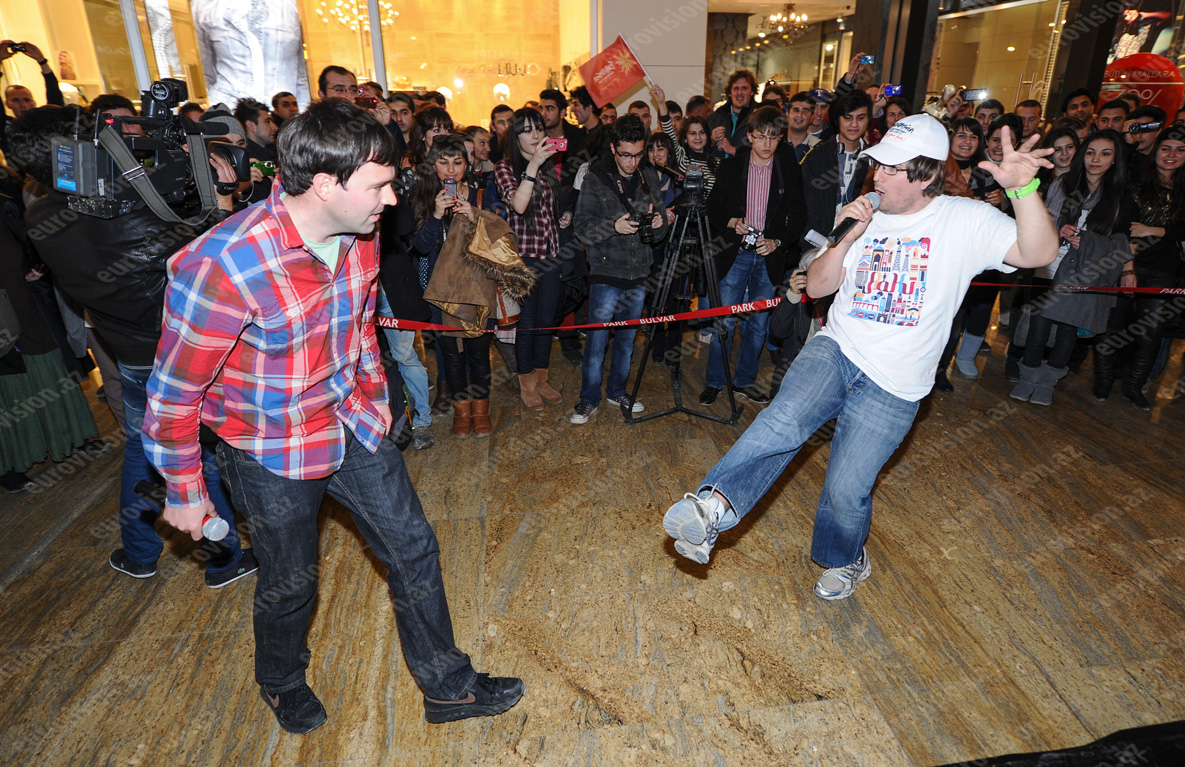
x: 250, y: 48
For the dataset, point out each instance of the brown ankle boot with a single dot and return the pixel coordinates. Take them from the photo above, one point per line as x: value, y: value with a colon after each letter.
x: 481, y: 418
x: 549, y: 395
x: 526, y: 383
x: 462, y: 418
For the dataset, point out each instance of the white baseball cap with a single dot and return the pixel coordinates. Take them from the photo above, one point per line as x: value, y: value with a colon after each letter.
x: 914, y: 136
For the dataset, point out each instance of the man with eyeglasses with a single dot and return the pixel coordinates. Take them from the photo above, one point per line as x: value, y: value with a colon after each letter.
x: 617, y: 198
x: 340, y: 83
x: 757, y: 206
x: 898, y: 275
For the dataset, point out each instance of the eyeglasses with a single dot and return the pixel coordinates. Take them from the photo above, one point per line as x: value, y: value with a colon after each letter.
x: 628, y: 156
x: 766, y: 137
x: 344, y: 89
x: 888, y: 170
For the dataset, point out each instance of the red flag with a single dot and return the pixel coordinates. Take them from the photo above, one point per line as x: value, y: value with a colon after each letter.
x: 611, y: 72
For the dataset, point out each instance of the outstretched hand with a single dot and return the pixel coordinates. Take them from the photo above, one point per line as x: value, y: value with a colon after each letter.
x: 1019, y: 165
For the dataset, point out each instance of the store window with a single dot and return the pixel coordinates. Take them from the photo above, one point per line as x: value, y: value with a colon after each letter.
x: 1005, y: 50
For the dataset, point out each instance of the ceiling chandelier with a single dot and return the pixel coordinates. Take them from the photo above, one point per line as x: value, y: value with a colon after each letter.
x: 349, y: 13
x: 783, y: 23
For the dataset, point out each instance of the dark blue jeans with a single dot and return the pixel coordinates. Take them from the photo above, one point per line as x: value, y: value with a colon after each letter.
x: 747, y: 280
x: 532, y: 349
x: 282, y: 514
x: 609, y: 304
x: 137, y: 516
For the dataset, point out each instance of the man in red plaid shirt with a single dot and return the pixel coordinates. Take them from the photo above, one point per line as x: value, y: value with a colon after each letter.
x: 268, y: 338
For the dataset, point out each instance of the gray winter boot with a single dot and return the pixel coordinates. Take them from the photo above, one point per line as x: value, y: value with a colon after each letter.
x: 1047, y: 378
x: 1028, y: 382
x: 965, y: 359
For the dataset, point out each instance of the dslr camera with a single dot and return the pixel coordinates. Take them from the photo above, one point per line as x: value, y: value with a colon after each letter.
x: 105, y: 173
x: 749, y: 241
x: 645, y: 233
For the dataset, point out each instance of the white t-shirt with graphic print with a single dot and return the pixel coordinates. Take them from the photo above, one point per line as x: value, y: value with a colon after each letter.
x: 906, y: 277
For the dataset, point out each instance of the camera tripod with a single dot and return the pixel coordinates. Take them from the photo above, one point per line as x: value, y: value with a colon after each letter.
x: 686, y: 256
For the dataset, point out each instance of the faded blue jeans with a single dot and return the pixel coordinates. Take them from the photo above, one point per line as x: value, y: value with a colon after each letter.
x: 403, y: 350
x: 822, y: 384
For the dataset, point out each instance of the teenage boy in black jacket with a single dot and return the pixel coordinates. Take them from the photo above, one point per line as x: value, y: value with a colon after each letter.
x: 832, y: 171
x: 617, y: 198
x: 758, y: 193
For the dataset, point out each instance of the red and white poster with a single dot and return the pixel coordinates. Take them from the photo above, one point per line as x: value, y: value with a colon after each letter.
x: 1155, y: 79
x: 611, y: 72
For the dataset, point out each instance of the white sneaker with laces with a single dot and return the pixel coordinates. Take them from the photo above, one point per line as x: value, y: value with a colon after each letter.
x: 839, y: 582
x: 694, y: 523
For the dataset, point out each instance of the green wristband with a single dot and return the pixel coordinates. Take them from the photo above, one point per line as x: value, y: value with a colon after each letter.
x: 1025, y: 190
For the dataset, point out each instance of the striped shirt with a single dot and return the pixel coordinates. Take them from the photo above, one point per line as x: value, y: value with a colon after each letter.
x: 262, y: 342
x: 757, y: 197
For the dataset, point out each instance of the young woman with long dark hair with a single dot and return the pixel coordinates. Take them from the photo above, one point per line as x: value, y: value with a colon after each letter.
x: 1159, y: 225
x: 690, y: 142
x: 431, y: 122
x: 436, y: 208
x: 1065, y: 144
x: 530, y: 191
x: 1086, y: 202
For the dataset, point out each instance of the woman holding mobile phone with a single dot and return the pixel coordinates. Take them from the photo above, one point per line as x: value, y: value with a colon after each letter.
x: 532, y: 198
x: 437, y: 199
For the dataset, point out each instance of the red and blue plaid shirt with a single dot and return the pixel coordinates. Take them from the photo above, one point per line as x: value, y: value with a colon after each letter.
x: 269, y: 348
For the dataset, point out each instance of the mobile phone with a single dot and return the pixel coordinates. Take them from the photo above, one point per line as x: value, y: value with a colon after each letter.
x: 893, y: 90
x: 868, y: 59
x: 18, y: 47
x: 558, y: 144
x: 366, y: 102
x: 450, y: 186
x: 973, y: 94
x: 1151, y: 127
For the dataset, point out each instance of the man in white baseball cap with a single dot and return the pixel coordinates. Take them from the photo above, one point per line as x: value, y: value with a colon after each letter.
x: 898, y: 276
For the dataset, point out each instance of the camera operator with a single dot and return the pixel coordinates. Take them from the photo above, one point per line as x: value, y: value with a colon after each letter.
x: 116, y: 269
x: 757, y: 205
x: 18, y: 98
x: 619, y: 216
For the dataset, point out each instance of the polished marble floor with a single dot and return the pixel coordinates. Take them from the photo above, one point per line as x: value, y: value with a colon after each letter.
x: 1027, y: 594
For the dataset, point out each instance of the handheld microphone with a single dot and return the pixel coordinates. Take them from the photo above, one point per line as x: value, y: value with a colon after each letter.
x: 845, y: 226
x: 213, y: 528
x: 679, y: 177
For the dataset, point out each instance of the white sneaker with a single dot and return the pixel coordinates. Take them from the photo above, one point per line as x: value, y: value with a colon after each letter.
x: 582, y: 413
x: 839, y: 582
x: 624, y: 399
x: 694, y: 523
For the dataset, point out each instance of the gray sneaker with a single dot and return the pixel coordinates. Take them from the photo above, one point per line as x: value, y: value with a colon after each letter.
x: 583, y: 412
x: 694, y: 523
x: 421, y: 438
x: 839, y: 582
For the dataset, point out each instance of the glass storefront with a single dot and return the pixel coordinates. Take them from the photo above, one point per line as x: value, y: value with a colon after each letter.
x: 475, y: 52
x: 1007, y: 49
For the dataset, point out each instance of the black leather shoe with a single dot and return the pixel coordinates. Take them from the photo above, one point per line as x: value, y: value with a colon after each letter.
x: 1136, y: 397
x: 752, y: 394
x: 297, y: 710
x: 942, y: 383
x: 708, y: 395
x: 489, y: 695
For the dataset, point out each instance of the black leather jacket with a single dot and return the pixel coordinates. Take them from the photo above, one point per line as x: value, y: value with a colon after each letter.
x: 113, y: 267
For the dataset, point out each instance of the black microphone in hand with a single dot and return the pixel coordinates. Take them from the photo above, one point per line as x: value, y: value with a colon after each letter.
x: 843, y: 227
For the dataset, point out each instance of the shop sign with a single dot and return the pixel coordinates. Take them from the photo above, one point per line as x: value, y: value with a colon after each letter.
x: 1155, y: 79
